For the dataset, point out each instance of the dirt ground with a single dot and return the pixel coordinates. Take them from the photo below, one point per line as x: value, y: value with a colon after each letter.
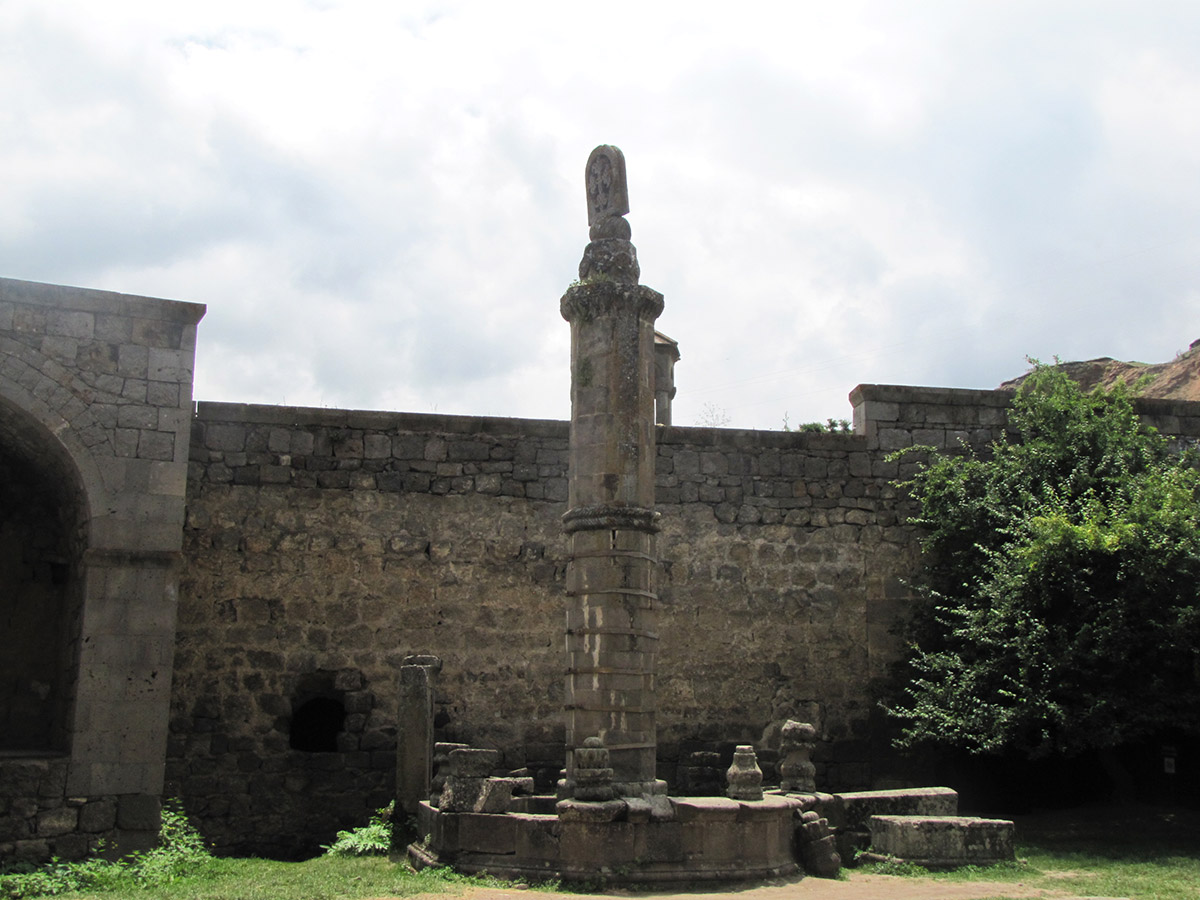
x: 858, y: 886
x: 1171, y: 831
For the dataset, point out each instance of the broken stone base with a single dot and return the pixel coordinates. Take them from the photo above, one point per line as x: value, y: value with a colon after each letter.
x: 691, y: 839
x: 941, y: 842
x: 849, y: 813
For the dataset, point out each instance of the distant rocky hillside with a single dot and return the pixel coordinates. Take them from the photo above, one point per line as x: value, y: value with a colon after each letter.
x: 1178, y: 379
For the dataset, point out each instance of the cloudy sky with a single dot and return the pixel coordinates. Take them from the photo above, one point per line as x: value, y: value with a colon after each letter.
x: 382, y: 202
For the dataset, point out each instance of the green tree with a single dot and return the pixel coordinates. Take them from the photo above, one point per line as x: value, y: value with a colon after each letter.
x: 1058, y: 611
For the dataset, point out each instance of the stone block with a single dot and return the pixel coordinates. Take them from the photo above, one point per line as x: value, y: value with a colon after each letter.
x: 139, y: 812
x: 537, y: 837
x: 15, y: 828
x: 72, y: 846
x: 98, y: 815
x: 482, y: 833
x: 597, y: 844
x: 853, y: 810
x: 708, y: 809
x: 942, y: 841
x: 54, y: 822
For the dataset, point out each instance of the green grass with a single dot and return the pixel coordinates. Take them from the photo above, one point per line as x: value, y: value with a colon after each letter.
x: 1139, y: 852
x: 1142, y: 853
x: 322, y: 878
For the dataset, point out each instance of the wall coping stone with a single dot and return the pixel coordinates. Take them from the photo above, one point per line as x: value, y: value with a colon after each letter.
x: 999, y: 398
x: 376, y: 420
x: 62, y: 296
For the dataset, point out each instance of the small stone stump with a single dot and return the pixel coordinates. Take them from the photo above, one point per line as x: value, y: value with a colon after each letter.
x: 701, y: 774
x: 744, y: 776
x: 796, y: 770
x: 593, y: 774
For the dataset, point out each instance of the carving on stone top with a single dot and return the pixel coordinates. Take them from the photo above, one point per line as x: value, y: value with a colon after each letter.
x: 610, y: 256
x: 607, y: 187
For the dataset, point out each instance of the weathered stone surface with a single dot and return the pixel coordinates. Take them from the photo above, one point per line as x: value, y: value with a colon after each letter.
x: 55, y: 822
x: 607, y: 185
x: 797, y: 742
x: 744, y: 777
x: 817, y: 846
x: 139, y: 812
x: 853, y: 810
x: 611, y: 524
x: 942, y: 841
x: 415, y: 745
x: 588, y: 811
x: 472, y: 762
x: 98, y: 816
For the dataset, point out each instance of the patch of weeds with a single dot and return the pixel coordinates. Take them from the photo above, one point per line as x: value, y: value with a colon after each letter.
x: 373, y: 839
x: 180, y: 852
x: 893, y: 866
x: 55, y: 877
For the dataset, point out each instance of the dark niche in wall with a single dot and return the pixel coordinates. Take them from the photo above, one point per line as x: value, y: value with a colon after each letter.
x: 316, y: 723
x: 318, y: 714
x: 41, y: 543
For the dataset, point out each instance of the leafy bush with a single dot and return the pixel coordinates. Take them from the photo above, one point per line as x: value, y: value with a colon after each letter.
x: 180, y: 851
x: 1059, y: 607
x: 829, y: 426
x: 373, y: 839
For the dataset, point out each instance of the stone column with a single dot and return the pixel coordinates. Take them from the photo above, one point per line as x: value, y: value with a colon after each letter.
x: 414, y: 744
x: 666, y: 354
x: 612, y: 635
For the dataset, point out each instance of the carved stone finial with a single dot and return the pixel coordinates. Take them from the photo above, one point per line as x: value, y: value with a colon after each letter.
x: 610, y: 256
x: 607, y: 187
x: 797, y: 742
x: 744, y: 776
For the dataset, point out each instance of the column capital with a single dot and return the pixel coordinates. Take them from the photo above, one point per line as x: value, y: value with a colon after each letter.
x: 592, y: 299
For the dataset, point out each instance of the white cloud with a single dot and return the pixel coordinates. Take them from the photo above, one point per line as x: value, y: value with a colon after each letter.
x: 382, y: 203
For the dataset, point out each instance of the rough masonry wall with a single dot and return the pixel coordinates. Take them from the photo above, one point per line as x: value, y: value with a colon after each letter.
x: 323, y: 546
x: 330, y: 542
x: 338, y: 543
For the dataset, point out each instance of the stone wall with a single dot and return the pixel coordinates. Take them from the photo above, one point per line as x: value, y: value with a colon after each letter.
x: 329, y: 545
x: 324, y: 546
x: 95, y: 404
x: 329, y: 542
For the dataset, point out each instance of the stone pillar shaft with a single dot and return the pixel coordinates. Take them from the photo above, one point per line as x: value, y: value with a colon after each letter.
x: 612, y: 634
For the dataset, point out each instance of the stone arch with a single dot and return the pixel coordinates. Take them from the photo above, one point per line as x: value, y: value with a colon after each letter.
x: 58, y: 406
x: 44, y: 516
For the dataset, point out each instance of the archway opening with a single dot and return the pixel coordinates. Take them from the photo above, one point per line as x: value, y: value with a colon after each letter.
x: 42, y: 538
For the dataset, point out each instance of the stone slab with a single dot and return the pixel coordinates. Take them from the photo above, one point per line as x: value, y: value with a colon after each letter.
x: 942, y: 841
x: 853, y: 810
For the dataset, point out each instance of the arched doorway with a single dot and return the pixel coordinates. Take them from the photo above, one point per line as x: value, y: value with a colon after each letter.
x: 42, y: 538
